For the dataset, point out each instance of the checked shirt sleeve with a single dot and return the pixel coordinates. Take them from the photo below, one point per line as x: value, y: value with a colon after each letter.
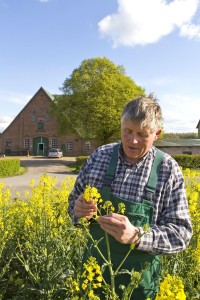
x: 171, y: 230
x: 76, y: 192
x: 90, y: 174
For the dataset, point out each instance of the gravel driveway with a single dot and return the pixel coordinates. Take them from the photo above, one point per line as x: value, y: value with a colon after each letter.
x: 37, y: 166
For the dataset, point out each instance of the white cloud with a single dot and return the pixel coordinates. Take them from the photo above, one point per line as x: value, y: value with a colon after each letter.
x: 181, y: 113
x: 8, y: 100
x: 190, y: 30
x: 13, y: 98
x: 17, y: 100
x: 5, y: 121
x: 140, y: 22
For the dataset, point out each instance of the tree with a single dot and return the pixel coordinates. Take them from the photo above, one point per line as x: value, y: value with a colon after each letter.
x: 93, y: 98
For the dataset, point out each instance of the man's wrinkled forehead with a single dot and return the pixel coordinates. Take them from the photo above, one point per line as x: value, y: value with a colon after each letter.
x: 140, y: 125
x: 143, y: 124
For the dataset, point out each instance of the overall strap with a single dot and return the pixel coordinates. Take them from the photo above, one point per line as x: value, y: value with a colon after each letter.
x: 110, y: 172
x: 153, y: 177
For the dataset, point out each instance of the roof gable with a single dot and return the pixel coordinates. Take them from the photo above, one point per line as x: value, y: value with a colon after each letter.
x: 50, y: 97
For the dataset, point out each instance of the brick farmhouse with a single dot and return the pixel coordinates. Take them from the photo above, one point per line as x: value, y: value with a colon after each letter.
x: 34, y: 132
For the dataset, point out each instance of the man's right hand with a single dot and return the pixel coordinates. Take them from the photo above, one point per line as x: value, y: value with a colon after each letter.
x: 84, y: 209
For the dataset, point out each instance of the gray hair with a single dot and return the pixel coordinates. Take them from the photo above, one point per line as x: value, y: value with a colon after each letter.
x: 144, y: 110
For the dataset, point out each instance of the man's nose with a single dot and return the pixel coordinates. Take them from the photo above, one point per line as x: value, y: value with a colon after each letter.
x: 134, y: 139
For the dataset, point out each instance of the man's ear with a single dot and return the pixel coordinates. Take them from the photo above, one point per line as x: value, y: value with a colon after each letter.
x: 157, y: 134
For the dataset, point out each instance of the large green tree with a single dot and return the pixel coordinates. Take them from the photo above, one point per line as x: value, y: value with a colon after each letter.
x: 93, y: 98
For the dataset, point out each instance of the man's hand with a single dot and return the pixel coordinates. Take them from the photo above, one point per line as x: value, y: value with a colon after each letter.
x: 83, y: 208
x: 120, y: 228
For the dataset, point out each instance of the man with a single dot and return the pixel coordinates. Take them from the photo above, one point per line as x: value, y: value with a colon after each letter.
x: 151, y: 185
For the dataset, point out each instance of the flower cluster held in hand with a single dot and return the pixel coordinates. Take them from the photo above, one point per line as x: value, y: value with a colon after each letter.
x: 92, y: 194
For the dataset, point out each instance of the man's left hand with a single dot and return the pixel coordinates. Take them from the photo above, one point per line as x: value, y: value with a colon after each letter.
x: 120, y: 228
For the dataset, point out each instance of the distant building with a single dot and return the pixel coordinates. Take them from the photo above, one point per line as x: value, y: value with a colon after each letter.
x: 34, y: 132
x: 179, y: 146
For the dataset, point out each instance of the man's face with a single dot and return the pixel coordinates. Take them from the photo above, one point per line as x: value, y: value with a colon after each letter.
x: 136, y: 141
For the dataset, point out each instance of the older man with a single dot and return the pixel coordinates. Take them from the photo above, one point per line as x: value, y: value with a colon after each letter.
x: 151, y: 185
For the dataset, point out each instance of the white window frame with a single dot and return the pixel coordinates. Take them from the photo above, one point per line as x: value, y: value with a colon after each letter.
x: 54, y: 143
x: 69, y: 146
x: 87, y: 146
x: 26, y: 143
x: 8, y: 143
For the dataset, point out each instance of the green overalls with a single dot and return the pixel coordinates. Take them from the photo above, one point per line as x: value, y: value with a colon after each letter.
x: 138, y: 214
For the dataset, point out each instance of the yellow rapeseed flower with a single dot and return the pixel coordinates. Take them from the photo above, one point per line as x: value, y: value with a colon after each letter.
x: 84, y: 286
x: 92, y: 273
x: 75, y: 285
x: 91, y: 193
x: 171, y: 288
x: 91, y: 293
x: 121, y: 208
x: 108, y: 206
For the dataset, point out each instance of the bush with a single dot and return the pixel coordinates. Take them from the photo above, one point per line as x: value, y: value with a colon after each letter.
x: 9, y: 167
x: 188, y: 161
x: 80, y: 160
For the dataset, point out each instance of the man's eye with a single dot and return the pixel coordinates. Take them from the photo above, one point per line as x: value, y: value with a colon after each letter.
x: 127, y: 130
x: 143, y: 134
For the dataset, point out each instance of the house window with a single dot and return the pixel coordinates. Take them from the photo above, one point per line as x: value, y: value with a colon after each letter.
x: 8, y: 143
x: 87, y: 146
x: 69, y: 146
x: 46, y: 118
x: 40, y: 126
x: 54, y: 143
x: 34, y: 116
x: 26, y: 143
x: 187, y: 152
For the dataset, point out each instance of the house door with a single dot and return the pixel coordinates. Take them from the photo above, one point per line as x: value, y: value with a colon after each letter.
x: 40, y: 146
x: 40, y: 150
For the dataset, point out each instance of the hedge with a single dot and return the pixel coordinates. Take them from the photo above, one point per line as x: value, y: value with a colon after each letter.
x: 184, y: 160
x: 9, y: 167
x: 187, y: 160
x: 80, y: 160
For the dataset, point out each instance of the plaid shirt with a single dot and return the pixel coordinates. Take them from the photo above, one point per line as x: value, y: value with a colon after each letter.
x: 171, y: 228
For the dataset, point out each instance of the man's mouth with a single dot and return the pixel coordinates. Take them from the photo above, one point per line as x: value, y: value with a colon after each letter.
x: 132, y: 148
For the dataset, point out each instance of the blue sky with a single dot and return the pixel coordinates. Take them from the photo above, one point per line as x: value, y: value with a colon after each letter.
x: 157, y: 42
